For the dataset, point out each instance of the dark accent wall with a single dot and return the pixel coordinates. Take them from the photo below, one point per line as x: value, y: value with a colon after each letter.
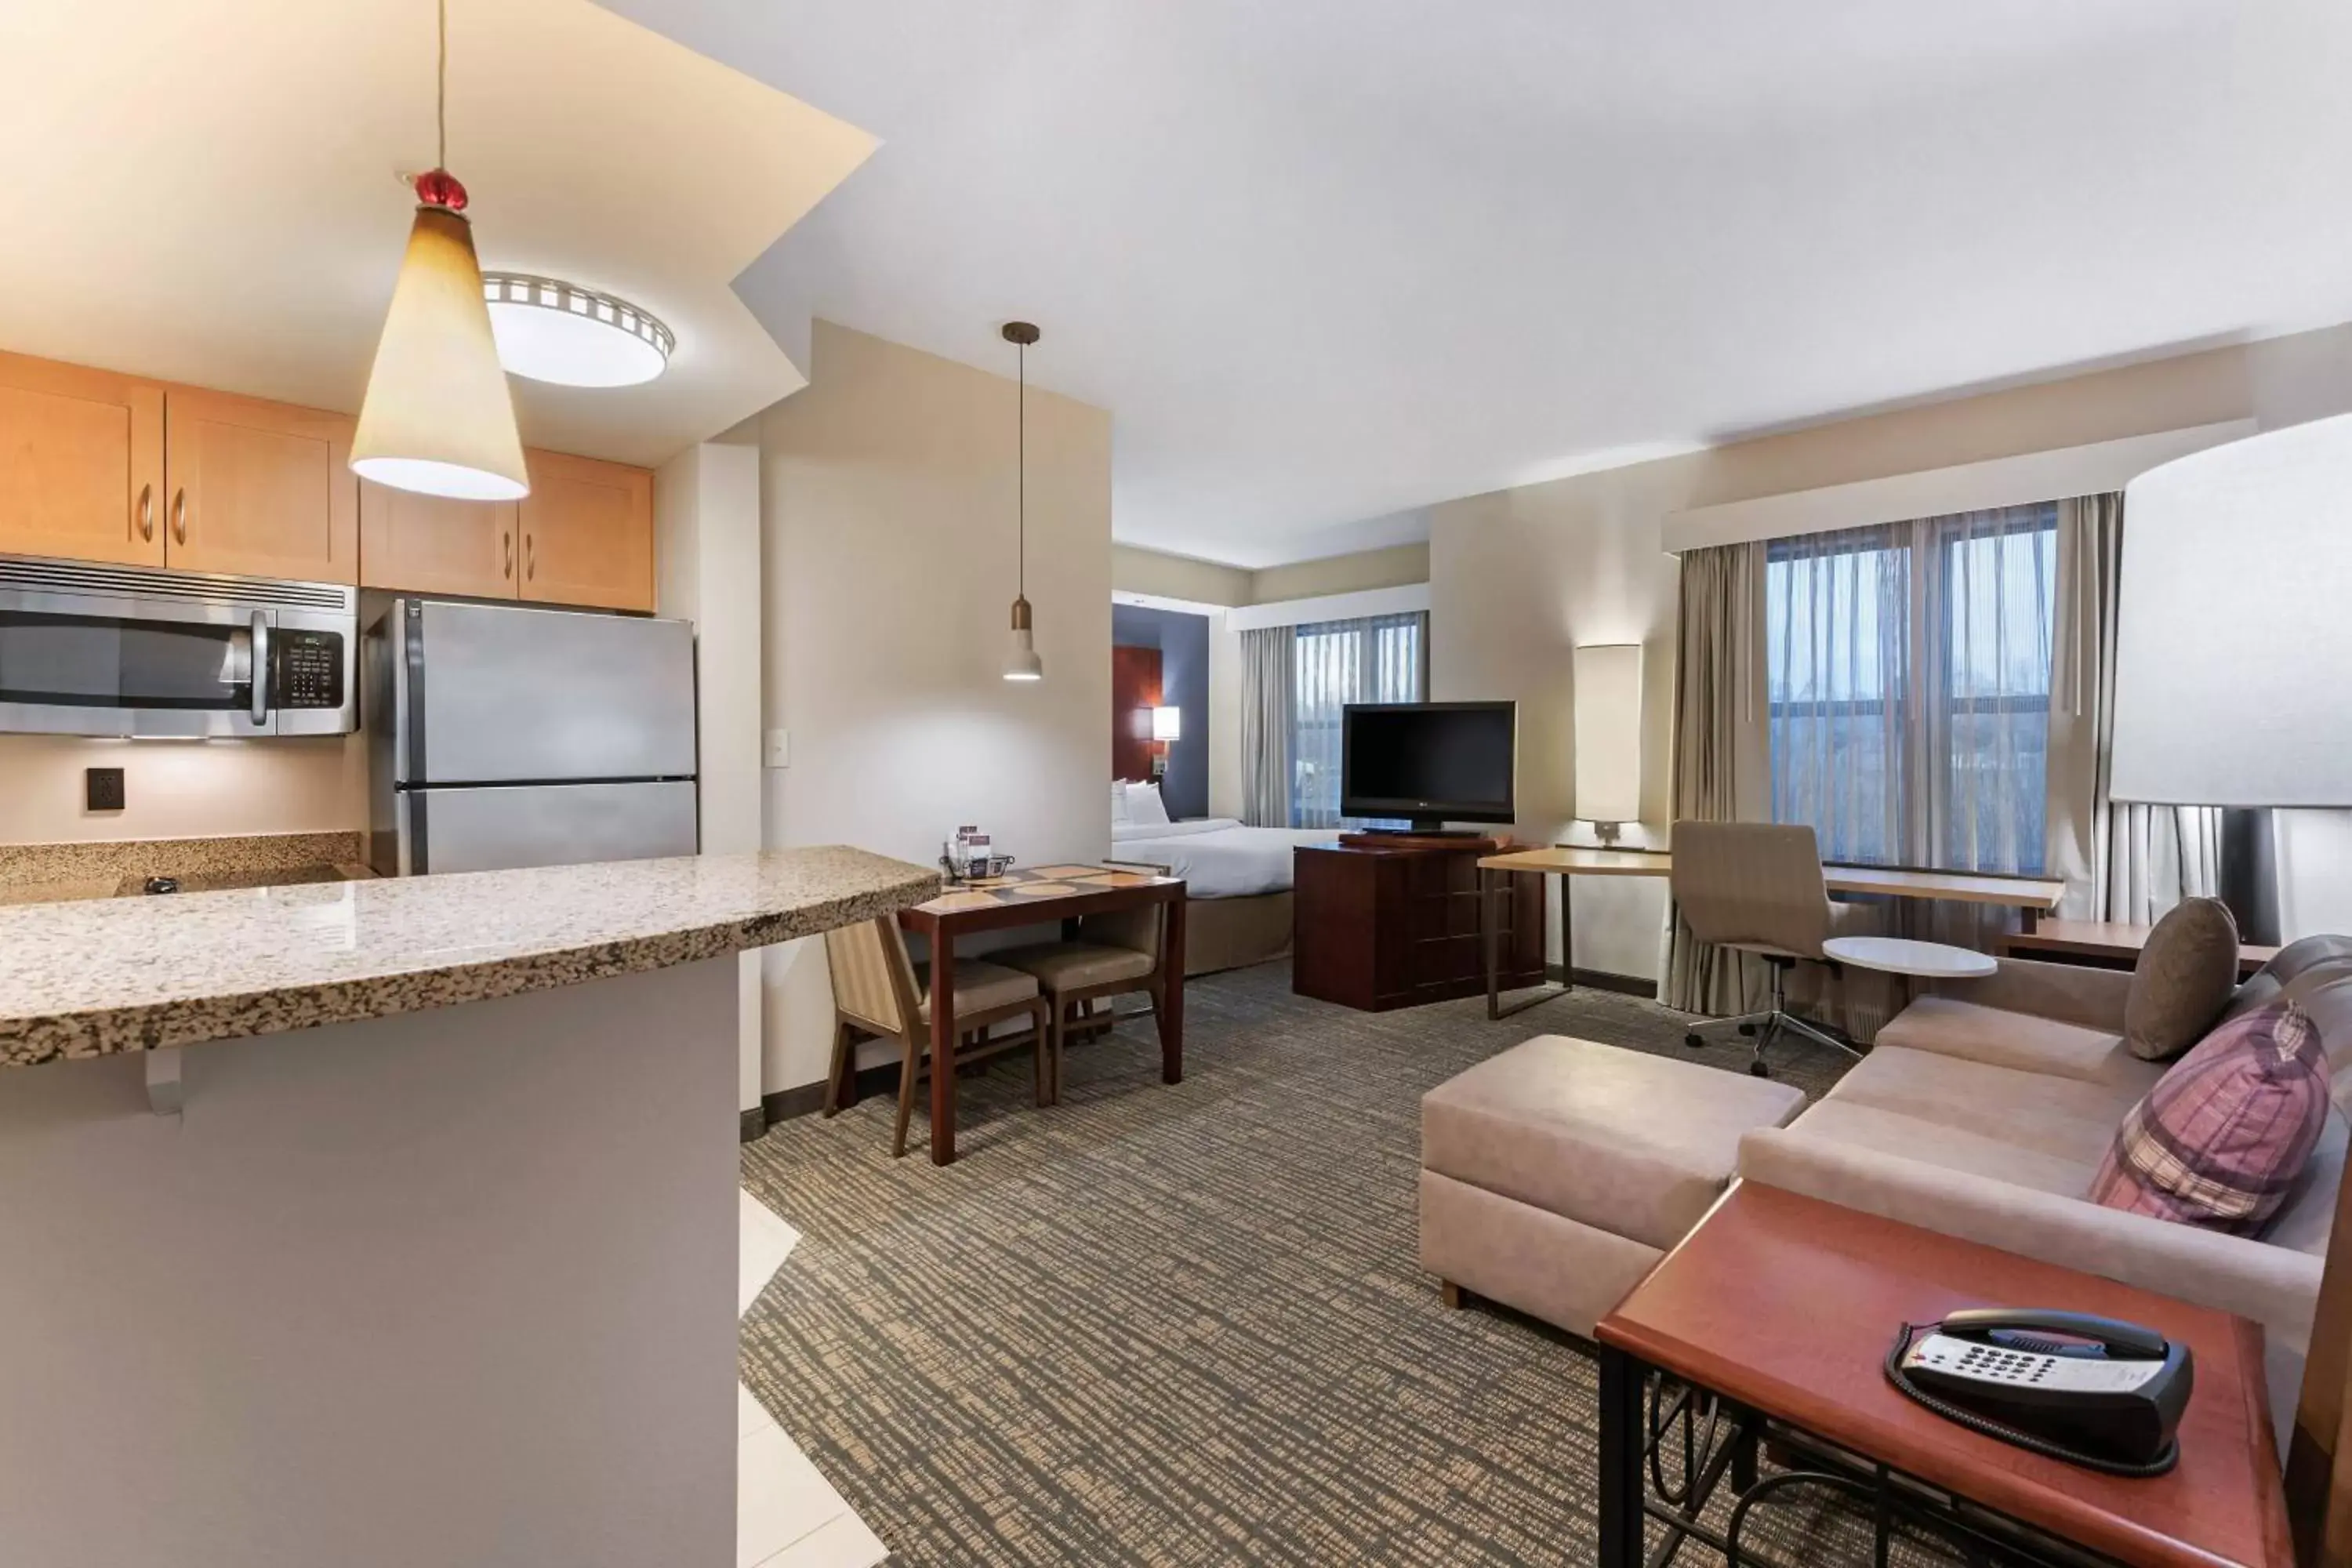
x: 1183, y: 643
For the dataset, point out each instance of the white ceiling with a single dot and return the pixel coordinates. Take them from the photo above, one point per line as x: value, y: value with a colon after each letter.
x: 1329, y: 260
x: 207, y: 191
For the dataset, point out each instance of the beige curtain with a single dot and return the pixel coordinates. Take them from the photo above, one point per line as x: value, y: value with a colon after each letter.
x: 2127, y: 863
x: 1722, y: 758
x: 1268, y: 724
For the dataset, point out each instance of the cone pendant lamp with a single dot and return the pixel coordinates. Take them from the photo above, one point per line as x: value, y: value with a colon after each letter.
x: 1020, y: 660
x: 437, y: 418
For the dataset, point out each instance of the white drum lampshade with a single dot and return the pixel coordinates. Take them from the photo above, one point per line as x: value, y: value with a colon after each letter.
x: 2232, y: 633
x: 1609, y: 732
x: 1166, y: 723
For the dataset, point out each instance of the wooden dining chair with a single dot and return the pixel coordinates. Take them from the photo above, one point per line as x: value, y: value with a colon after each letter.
x: 1115, y: 954
x: 879, y: 991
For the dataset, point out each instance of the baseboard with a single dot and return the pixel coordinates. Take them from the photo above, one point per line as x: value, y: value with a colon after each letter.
x: 754, y: 1123
x: 1602, y: 980
x: 807, y: 1099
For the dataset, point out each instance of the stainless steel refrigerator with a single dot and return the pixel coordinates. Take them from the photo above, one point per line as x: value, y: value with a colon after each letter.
x: 503, y: 736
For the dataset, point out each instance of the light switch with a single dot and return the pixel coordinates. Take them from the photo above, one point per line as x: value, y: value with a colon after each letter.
x: 779, y: 749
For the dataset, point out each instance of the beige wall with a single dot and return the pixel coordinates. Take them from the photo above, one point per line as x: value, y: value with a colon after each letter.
x: 181, y: 789
x: 1139, y: 571
x: 1519, y: 577
x: 888, y: 524
x: 1165, y: 576
x: 706, y: 534
x: 1391, y: 568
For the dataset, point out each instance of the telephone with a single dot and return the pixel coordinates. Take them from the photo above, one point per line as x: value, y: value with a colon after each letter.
x: 2091, y: 1391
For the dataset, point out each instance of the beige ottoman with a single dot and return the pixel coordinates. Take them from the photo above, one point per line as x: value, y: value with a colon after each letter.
x: 1555, y: 1175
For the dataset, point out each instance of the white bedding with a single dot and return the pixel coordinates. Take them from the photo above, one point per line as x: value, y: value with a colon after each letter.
x: 1217, y: 856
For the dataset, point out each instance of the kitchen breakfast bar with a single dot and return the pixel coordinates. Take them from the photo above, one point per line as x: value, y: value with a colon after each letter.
x: 385, y: 1223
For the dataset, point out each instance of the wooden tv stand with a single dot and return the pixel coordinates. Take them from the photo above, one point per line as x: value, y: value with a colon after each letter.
x: 1388, y: 921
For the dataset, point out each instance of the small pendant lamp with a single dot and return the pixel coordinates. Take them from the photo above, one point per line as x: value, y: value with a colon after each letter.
x: 1020, y: 660
x: 437, y: 418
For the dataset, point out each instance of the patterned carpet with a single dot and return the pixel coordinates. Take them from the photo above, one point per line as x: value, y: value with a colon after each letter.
x: 1184, y: 1325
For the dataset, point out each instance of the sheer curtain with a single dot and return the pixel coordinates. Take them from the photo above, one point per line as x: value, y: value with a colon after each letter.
x: 1908, y: 668
x: 1378, y: 659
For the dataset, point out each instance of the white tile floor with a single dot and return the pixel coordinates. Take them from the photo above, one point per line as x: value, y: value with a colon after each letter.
x: 787, y: 1515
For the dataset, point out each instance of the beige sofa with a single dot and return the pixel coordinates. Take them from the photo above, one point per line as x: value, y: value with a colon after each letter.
x: 1983, y: 1112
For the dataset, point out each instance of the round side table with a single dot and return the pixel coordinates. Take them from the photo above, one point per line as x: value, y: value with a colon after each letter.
x: 1919, y: 960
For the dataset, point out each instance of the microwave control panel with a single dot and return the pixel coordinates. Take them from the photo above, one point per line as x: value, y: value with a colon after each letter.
x: 307, y: 670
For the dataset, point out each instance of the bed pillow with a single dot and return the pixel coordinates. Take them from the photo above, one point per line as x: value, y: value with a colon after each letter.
x: 2223, y: 1137
x: 1118, y: 814
x: 1144, y: 806
x: 2186, y: 972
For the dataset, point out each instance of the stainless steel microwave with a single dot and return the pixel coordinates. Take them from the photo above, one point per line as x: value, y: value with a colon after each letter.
x: 89, y: 649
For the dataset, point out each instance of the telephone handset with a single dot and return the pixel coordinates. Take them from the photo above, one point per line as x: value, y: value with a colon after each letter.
x: 2091, y: 1391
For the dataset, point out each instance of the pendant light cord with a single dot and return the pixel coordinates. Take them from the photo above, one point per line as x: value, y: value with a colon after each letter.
x: 1020, y: 466
x: 441, y: 94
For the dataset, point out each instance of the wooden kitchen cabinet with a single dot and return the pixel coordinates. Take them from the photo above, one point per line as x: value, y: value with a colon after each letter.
x: 430, y: 544
x: 81, y: 463
x: 263, y: 490
x: 587, y: 533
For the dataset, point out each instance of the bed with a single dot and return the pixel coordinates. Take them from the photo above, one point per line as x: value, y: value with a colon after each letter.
x: 1237, y: 904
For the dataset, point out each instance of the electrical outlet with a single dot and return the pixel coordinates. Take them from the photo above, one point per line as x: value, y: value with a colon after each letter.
x: 779, y: 749
x: 102, y: 789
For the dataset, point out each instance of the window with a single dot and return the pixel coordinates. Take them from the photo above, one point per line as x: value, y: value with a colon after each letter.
x: 1379, y: 658
x: 1907, y: 669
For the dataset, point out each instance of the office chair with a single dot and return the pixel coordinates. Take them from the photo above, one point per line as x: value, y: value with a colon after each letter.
x: 1755, y: 887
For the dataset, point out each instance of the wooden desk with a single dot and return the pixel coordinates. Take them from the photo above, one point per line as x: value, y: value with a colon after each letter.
x: 2032, y: 897
x: 2107, y: 943
x: 1039, y: 897
x: 1785, y: 1306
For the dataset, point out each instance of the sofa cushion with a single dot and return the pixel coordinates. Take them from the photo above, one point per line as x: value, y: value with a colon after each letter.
x: 1892, y: 1133
x: 2065, y: 1118
x: 1634, y: 1145
x: 1951, y: 1026
x: 2222, y: 1141
x: 2187, y: 973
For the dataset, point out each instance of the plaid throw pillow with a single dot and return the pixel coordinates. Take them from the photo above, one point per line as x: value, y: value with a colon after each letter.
x: 2222, y: 1138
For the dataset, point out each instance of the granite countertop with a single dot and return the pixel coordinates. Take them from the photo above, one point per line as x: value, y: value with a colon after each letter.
x: 109, y: 975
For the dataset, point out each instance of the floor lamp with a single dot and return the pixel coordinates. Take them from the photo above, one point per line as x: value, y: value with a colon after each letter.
x: 2233, y: 645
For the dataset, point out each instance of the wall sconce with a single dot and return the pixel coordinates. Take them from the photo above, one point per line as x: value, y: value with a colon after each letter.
x: 1167, y: 724
x: 1609, y: 736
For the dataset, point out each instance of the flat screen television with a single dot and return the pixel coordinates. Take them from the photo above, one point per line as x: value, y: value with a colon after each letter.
x: 1430, y: 763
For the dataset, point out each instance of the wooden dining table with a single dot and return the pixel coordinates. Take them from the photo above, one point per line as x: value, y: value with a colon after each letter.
x: 1041, y: 896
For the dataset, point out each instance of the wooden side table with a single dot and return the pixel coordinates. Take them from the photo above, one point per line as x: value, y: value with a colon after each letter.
x: 2106, y: 944
x: 1780, y: 1310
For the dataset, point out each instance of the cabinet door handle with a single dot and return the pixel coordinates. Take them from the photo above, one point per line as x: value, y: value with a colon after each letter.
x: 507, y: 539
x: 147, y: 512
x: 530, y: 556
x: 179, y: 515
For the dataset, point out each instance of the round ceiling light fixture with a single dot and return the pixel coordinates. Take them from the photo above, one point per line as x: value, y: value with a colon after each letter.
x: 548, y: 329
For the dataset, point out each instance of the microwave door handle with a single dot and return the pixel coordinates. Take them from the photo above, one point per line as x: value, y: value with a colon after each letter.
x: 259, y: 685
